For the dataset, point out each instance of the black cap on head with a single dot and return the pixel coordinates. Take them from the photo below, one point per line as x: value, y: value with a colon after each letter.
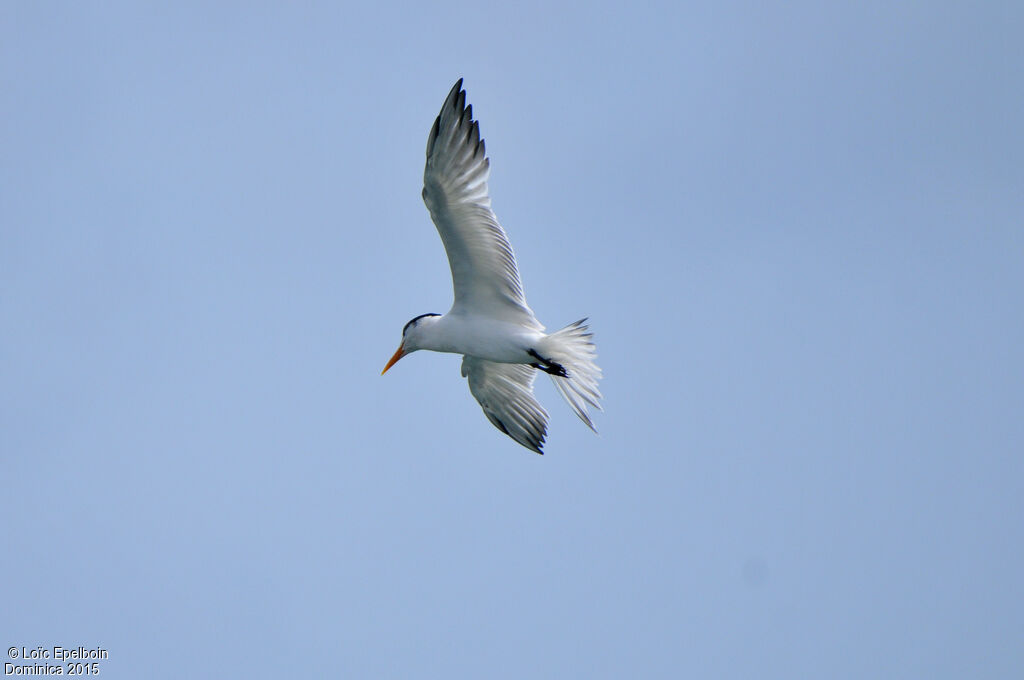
x: 414, y: 320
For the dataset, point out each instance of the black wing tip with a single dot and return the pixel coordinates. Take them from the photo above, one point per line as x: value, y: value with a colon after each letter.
x: 456, y: 88
x: 534, y: 444
x: 456, y: 99
x: 455, y: 117
x: 538, y: 446
x: 452, y: 100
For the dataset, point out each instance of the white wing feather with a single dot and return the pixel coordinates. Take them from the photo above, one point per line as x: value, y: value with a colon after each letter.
x: 484, y: 273
x: 505, y: 392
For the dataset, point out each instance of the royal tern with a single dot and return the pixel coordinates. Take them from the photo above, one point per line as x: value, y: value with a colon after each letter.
x: 502, y: 343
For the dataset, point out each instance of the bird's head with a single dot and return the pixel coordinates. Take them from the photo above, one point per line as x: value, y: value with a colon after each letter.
x: 412, y: 336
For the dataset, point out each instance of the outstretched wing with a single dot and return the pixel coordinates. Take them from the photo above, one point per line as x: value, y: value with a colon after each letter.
x: 484, y: 272
x: 505, y: 392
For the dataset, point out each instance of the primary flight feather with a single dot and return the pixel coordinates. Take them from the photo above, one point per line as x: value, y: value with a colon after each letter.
x: 489, y: 322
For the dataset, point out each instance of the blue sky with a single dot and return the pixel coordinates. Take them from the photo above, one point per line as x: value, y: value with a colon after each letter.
x: 797, y: 231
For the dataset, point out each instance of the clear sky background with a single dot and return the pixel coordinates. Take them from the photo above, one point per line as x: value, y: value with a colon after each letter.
x: 798, y: 230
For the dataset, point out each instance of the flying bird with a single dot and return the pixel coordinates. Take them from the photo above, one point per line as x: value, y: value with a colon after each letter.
x: 502, y: 343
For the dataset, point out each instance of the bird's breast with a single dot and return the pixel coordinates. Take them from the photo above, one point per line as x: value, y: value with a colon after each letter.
x: 486, y: 339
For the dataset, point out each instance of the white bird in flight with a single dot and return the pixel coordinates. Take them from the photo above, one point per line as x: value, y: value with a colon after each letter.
x: 502, y: 343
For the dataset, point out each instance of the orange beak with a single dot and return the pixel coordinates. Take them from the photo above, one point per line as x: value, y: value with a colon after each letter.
x: 394, y: 359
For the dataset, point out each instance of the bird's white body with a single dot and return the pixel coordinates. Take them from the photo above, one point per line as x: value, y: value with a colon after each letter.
x: 477, y: 336
x: 490, y: 324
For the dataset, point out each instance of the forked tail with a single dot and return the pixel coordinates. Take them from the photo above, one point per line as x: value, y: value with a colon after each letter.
x: 574, y: 350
